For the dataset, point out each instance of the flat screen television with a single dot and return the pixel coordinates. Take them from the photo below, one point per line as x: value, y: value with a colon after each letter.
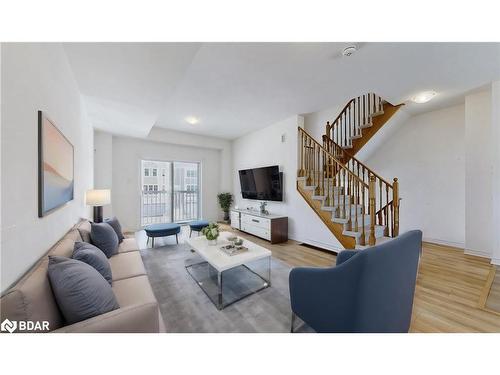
x: 262, y: 183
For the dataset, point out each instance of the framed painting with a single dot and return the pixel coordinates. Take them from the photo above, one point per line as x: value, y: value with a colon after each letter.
x: 55, y: 167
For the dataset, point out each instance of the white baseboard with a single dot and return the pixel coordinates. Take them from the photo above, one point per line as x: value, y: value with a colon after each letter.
x: 495, y: 261
x: 460, y: 245
x: 321, y: 245
x: 478, y: 253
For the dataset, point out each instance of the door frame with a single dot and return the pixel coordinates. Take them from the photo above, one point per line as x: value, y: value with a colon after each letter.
x: 172, y: 161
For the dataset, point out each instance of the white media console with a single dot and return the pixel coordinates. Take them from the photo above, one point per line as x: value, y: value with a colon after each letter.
x: 273, y: 228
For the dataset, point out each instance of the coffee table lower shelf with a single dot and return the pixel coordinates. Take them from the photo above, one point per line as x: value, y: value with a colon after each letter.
x: 229, y: 286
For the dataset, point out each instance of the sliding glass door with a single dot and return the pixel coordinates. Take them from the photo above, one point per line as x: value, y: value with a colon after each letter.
x: 170, y: 191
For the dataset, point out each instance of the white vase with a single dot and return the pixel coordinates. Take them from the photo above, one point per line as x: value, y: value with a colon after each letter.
x: 212, y: 242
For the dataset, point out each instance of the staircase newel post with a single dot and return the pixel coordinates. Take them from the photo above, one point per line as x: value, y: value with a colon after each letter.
x: 395, y: 203
x: 371, y: 194
x: 349, y: 194
x: 300, y: 153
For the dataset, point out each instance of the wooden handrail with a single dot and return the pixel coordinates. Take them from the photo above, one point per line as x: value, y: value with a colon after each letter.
x: 357, y: 113
x: 341, y: 165
x: 341, y: 113
x: 350, y: 156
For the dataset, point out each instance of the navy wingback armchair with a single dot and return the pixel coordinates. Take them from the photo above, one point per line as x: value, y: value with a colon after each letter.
x: 368, y: 291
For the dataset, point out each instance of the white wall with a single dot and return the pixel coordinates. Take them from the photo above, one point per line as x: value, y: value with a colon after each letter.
x: 188, y: 139
x: 103, y: 156
x: 478, y: 174
x: 495, y: 142
x: 315, y: 122
x: 126, y: 178
x: 37, y: 77
x: 426, y: 154
x: 264, y: 148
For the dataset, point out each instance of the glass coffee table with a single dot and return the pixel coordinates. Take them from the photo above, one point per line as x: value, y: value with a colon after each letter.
x: 224, y: 278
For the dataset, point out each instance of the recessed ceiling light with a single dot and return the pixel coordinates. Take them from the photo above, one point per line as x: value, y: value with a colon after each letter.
x: 192, y: 120
x: 423, y: 97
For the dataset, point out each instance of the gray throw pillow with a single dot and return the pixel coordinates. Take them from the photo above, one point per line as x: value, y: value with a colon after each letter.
x: 88, y: 253
x: 104, y: 237
x: 115, y: 224
x: 80, y: 291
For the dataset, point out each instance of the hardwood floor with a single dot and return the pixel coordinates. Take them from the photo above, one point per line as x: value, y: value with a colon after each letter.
x: 492, y: 294
x: 449, y: 285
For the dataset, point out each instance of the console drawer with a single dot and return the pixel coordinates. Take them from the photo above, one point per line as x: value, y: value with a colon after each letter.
x: 256, y: 231
x: 256, y: 221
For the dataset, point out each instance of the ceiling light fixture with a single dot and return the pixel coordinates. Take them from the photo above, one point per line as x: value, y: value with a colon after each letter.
x: 192, y: 120
x: 423, y: 97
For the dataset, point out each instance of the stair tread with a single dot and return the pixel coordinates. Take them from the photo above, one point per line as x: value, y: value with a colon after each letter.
x: 379, y: 241
x: 378, y: 229
x: 319, y: 197
x: 379, y: 113
x: 360, y: 219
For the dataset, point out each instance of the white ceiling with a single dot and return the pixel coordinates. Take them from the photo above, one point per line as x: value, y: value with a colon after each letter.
x: 234, y: 88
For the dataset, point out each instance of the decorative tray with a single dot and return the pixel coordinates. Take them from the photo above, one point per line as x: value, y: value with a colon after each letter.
x: 233, y: 250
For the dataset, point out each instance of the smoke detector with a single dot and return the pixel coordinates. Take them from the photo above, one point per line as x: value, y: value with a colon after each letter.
x: 349, y: 50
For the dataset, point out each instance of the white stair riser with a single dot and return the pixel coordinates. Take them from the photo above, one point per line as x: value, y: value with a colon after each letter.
x: 379, y: 232
x: 366, y: 223
x: 352, y: 210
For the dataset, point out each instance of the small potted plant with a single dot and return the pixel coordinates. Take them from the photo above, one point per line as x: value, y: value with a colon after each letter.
x: 211, y: 233
x: 225, y: 201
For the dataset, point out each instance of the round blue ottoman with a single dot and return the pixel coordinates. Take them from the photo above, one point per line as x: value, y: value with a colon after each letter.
x: 197, y: 226
x: 162, y: 230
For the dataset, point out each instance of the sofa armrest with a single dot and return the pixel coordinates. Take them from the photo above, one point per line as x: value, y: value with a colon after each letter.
x: 130, y: 319
x: 345, y: 255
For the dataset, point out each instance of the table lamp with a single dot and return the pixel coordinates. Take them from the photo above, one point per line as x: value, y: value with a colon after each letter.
x: 97, y: 199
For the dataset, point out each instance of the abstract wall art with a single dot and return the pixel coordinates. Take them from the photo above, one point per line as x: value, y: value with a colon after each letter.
x: 55, y: 167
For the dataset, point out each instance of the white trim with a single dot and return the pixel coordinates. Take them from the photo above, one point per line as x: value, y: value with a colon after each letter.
x: 171, y: 182
x: 495, y: 261
x: 478, y: 253
x: 321, y: 245
x: 460, y: 245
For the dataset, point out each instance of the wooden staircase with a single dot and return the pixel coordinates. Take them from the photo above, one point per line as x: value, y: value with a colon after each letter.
x: 358, y: 206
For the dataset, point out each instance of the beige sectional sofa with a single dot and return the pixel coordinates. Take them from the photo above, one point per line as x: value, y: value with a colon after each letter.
x: 31, y: 298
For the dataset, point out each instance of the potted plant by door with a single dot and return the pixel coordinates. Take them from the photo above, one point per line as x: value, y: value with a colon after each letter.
x: 225, y: 201
x: 211, y: 233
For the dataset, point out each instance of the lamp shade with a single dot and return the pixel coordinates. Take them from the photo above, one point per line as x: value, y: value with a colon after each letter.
x: 98, y: 197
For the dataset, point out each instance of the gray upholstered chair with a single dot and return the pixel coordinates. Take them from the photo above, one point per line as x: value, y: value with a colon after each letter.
x: 368, y: 291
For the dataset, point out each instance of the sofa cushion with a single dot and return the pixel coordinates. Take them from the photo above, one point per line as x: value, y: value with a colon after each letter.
x: 64, y: 247
x: 128, y: 244
x: 125, y: 265
x: 133, y: 291
x: 88, y: 253
x: 104, y: 237
x: 115, y: 224
x: 32, y: 299
x: 80, y: 291
x: 83, y: 227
